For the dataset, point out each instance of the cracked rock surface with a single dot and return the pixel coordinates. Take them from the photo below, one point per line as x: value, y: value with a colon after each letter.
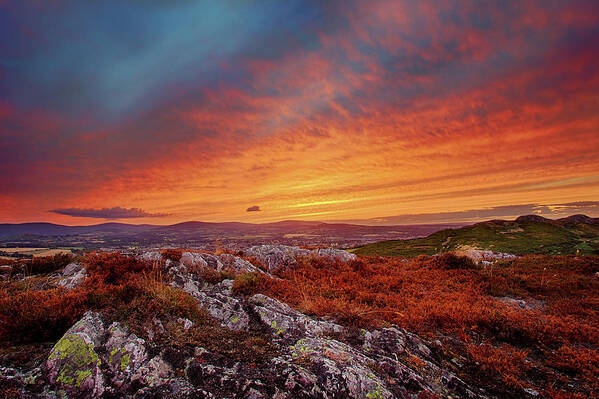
x: 313, y: 358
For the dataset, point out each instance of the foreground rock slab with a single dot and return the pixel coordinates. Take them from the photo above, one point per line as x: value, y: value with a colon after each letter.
x: 312, y: 358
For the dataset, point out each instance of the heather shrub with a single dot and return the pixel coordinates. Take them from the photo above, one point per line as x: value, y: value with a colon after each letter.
x: 503, y: 363
x: 28, y: 314
x: 172, y: 254
x: 212, y: 276
x: 452, y: 261
x: 39, y: 316
x: 113, y: 268
x: 248, y: 283
x: 576, y: 361
x: 46, y: 264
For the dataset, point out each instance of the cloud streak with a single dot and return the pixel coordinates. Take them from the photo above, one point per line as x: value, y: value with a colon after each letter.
x: 349, y: 110
x: 107, y: 213
x: 551, y: 211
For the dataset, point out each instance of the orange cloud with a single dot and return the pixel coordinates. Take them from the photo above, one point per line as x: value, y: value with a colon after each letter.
x: 404, y: 112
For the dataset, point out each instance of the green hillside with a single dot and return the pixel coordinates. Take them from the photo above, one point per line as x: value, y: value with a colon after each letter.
x: 526, y: 235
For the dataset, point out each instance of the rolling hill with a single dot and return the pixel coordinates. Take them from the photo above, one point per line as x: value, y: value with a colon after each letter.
x: 531, y: 234
x: 194, y: 234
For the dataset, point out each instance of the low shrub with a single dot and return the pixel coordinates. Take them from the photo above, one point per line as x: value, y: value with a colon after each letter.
x: 39, y: 316
x: 172, y: 254
x: 113, y: 268
x: 504, y: 364
x: 451, y: 261
x: 212, y: 276
x: 45, y: 264
x: 576, y: 361
x: 249, y: 283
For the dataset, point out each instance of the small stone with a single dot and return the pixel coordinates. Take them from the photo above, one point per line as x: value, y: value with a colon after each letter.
x: 187, y: 324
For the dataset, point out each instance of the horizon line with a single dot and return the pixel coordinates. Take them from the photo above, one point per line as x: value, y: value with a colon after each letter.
x: 329, y: 222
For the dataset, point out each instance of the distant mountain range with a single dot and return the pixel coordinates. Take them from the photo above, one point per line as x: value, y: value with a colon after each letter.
x: 291, y: 226
x: 530, y: 234
x: 527, y: 234
x: 50, y: 229
x: 204, y: 234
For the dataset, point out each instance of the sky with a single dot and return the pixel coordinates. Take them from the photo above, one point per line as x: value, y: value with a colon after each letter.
x: 377, y: 112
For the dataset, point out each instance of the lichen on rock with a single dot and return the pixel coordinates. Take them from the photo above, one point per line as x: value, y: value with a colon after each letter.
x: 73, y: 363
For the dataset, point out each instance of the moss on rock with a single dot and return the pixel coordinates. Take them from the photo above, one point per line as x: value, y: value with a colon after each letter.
x: 75, y: 358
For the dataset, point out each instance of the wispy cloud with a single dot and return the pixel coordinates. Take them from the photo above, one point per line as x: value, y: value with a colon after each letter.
x: 107, y: 213
x: 552, y: 211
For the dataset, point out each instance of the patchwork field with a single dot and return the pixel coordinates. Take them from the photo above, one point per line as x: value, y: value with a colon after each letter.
x: 35, y: 252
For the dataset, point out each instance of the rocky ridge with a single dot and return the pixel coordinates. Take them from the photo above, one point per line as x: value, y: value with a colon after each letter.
x: 312, y: 357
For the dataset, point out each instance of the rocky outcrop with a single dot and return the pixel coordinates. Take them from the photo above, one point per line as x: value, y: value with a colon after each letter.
x: 93, y: 359
x: 312, y: 357
x: 201, y: 260
x: 96, y: 360
x: 238, y: 264
x: 219, y: 263
x: 150, y: 256
x: 74, y: 275
x: 530, y: 304
x: 28, y: 384
x: 216, y: 299
x: 278, y: 257
x: 486, y: 257
x: 273, y: 257
x: 315, y: 357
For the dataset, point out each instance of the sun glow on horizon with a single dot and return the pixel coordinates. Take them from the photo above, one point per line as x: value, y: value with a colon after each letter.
x: 370, y: 110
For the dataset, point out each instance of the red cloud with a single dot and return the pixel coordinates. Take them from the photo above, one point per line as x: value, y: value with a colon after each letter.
x: 412, y: 106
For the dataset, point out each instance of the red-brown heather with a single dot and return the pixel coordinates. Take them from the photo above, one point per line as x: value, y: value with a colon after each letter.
x: 35, y: 313
x: 451, y: 299
x: 549, y: 344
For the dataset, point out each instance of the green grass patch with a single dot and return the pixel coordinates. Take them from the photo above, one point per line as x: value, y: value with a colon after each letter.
x: 526, y: 237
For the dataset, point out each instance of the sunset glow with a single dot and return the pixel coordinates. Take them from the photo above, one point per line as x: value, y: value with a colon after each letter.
x: 351, y: 111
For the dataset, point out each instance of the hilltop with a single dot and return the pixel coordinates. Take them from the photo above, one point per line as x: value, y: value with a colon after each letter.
x: 530, y: 234
x: 286, y: 322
